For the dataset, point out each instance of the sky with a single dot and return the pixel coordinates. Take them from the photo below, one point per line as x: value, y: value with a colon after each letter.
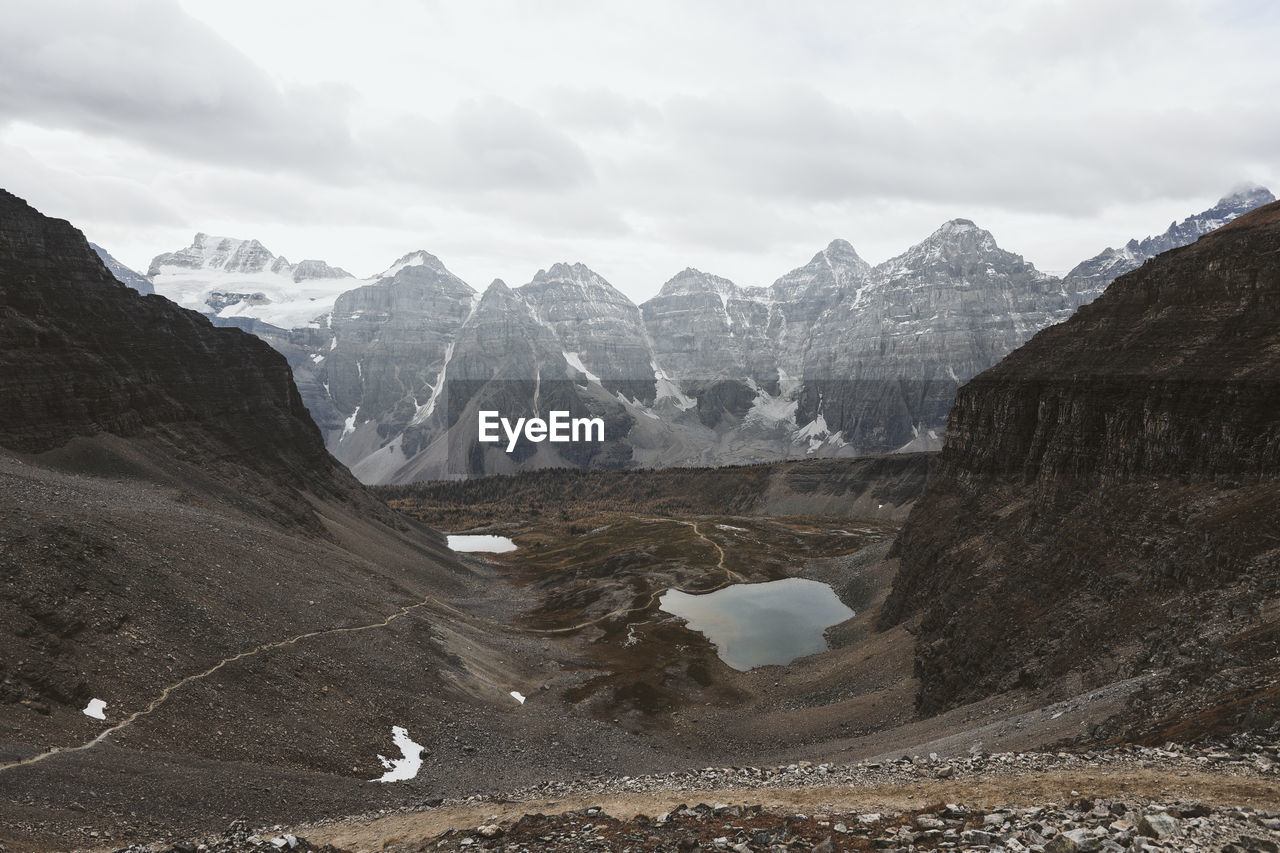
x: 734, y: 136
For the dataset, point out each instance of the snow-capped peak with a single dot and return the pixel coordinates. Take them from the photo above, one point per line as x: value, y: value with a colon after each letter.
x: 690, y: 280
x: 956, y: 234
x: 575, y: 272
x: 420, y: 258
x: 1248, y: 193
x: 210, y: 252
x: 840, y: 253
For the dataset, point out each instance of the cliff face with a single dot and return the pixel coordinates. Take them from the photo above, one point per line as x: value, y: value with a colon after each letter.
x: 1107, y: 497
x: 704, y: 327
x: 882, y: 366
x: 82, y: 355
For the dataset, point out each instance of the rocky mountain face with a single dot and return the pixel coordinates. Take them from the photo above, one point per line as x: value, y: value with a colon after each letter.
x: 883, y: 363
x: 386, y: 347
x: 835, y: 358
x: 85, y: 355
x: 176, y: 543
x: 803, y: 295
x: 705, y: 328
x: 123, y: 274
x: 1107, y: 497
x: 1089, y: 278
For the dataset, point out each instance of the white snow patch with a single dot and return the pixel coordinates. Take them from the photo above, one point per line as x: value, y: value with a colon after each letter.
x: 96, y: 709
x: 518, y: 696
x: 350, y: 426
x: 816, y: 428
x: 400, y: 769
x: 423, y: 412
x: 729, y: 527
x: 416, y: 259
x: 575, y: 361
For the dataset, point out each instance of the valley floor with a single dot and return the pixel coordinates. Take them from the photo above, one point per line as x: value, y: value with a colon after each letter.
x: 625, y: 705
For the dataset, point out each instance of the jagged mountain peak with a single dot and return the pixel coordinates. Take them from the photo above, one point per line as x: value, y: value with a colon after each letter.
x: 123, y: 274
x: 575, y: 280
x: 575, y: 272
x: 840, y: 257
x: 833, y: 268
x: 690, y: 280
x: 213, y: 252
x: 1254, y: 195
x: 955, y: 239
x: 419, y: 258
x: 313, y: 269
x: 497, y: 286
x: 840, y: 251
x: 962, y: 231
x: 1089, y: 278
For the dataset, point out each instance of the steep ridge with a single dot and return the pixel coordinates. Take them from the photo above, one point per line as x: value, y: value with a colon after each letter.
x: 124, y: 274
x: 1107, y: 497
x: 176, y: 541
x: 1089, y: 278
x: 84, y: 355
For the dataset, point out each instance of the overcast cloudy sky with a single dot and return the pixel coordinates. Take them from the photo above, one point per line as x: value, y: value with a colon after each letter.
x: 738, y: 137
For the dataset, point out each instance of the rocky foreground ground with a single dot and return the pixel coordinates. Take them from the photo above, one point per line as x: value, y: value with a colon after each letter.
x: 1221, y: 796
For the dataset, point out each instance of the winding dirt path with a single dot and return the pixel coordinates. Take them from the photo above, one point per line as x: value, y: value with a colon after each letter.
x: 178, y: 685
x: 731, y: 577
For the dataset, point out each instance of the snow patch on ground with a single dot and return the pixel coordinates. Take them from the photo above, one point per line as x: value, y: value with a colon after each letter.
x: 401, y: 769
x: 518, y: 696
x: 96, y: 709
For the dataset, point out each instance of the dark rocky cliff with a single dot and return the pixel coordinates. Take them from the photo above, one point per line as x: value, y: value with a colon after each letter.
x: 1107, y: 499
x: 82, y: 355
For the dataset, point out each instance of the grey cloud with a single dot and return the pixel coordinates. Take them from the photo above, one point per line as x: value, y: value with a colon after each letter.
x: 599, y: 109
x: 800, y: 145
x: 486, y: 144
x: 147, y: 72
x: 65, y: 194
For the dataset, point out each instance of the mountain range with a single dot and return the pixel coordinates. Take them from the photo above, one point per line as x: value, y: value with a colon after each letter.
x: 204, y: 616
x: 835, y: 358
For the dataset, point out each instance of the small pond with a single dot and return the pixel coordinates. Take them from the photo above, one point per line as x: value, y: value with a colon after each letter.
x: 481, y: 542
x: 755, y: 624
